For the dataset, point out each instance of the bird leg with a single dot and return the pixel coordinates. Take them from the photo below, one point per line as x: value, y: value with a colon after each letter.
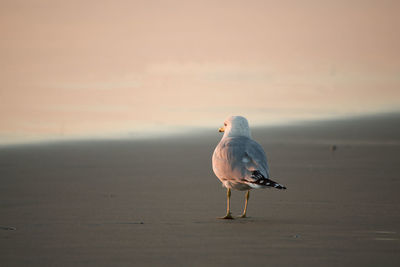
x: 228, y: 199
x: 245, y: 204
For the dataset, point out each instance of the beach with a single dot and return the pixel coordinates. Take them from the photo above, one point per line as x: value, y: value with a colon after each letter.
x: 155, y: 202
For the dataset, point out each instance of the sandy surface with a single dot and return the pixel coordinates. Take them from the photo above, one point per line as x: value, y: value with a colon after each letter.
x: 155, y: 202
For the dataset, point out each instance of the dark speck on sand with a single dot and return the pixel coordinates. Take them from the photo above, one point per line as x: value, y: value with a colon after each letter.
x: 155, y: 202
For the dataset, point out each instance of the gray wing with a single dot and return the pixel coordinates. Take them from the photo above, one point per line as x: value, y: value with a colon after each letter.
x: 237, y: 157
x: 256, y: 158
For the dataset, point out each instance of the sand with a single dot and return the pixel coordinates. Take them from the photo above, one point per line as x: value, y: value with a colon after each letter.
x: 155, y: 202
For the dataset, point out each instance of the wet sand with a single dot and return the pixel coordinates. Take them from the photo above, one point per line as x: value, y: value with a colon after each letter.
x: 155, y: 202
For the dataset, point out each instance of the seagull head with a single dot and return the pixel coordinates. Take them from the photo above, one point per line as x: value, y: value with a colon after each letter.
x: 235, y: 126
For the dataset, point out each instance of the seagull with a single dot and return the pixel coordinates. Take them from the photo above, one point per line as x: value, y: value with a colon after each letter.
x: 239, y: 162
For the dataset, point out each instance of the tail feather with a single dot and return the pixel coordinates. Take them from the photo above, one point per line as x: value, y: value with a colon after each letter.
x: 262, y: 181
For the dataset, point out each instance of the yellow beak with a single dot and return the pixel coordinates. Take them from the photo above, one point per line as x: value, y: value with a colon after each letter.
x: 221, y: 130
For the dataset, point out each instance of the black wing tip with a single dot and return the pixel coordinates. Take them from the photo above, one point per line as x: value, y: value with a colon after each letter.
x: 261, y: 180
x: 257, y: 175
x: 279, y: 186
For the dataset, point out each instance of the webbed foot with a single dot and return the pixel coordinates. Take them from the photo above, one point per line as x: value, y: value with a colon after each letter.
x: 228, y: 216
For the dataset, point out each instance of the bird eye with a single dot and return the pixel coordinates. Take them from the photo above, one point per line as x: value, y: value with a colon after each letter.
x: 225, y: 124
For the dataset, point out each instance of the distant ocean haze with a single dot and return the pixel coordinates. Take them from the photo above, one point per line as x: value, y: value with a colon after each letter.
x: 72, y: 70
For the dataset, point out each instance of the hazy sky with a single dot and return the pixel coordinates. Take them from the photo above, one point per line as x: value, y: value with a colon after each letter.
x: 78, y: 67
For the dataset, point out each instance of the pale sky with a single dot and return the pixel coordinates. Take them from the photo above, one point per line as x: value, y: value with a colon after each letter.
x: 82, y: 67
